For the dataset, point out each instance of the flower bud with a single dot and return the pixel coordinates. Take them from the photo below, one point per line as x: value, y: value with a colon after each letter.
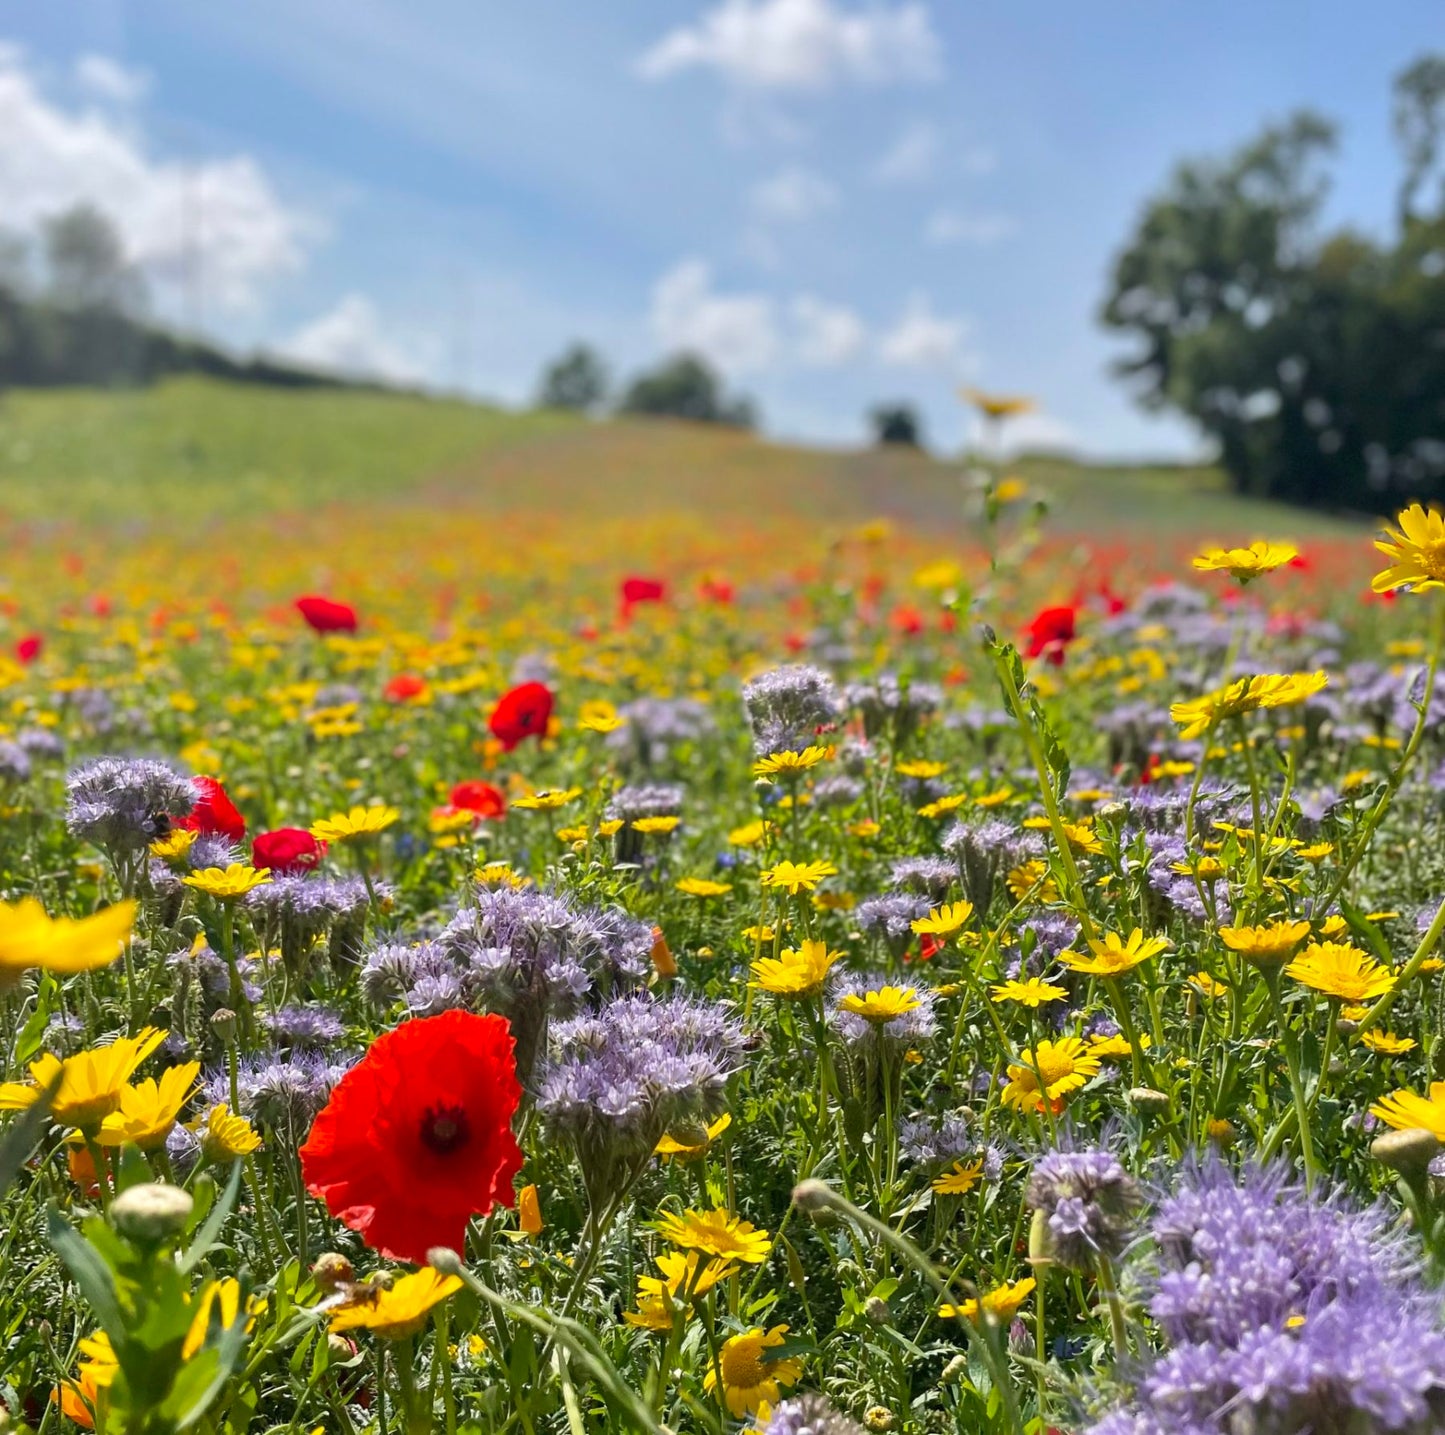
x: 1345, y: 1027
x: 1039, y: 1257
x: 956, y: 1369
x: 223, y: 1023
x: 1408, y: 1152
x: 1146, y: 1098
x: 445, y: 1260
x: 689, y: 1131
x: 339, y: 1348
x: 151, y: 1213
x: 875, y: 1310
x: 331, y: 1271
x: 878, y: 1417
x: 812, y: 1195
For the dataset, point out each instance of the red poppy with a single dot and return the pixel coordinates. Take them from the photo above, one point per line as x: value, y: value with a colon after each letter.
x: 479, y: 797
x: 417, y: 1136
x: 327, y: 616
x: 1050, y: 632
x: 716, y: 590
x: 906, y: 620
x: 28, y: 648
x: 287, y: 850
x: 641, y: 590
x: 214, y: 814
x: 522, y: 713
x: 404, y: 687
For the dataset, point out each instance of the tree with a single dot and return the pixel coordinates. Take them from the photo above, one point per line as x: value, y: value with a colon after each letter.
x: 1310, y: 359
x: 685, y: 387
x: 87, y: 264
x: 576, y: 379
x: 1419, y: 122
x: 896, y: 423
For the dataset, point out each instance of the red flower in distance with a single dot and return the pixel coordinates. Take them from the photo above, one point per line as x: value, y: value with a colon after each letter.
x: 28, y: 648
x: 214, y: 814
x: 716, y: 590
x: 522, y: 713
x: 324, y: 615
x: 287, y: 850
x: 404, y: 687
x: 641, y: 590
x: 417, y: 1136
x: 479, y: 797
x: 1050, y: 632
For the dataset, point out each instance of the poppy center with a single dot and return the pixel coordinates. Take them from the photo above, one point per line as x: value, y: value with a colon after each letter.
x: 445, y: 1128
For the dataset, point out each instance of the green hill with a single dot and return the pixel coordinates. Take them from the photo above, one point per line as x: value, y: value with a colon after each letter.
x: 195, y: 449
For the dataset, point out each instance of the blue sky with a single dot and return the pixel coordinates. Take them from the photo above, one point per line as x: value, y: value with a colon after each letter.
x: 840, y: 202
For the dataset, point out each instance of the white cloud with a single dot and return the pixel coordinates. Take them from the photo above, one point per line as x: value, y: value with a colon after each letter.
x: 107, y: 79
x: 218, y: 224
x: 793, y: 195
x: 911, y: 158
x: 738, y: 332
x: 923, y: 339
x: 827, y: 334
x: 801, y: 45
x: 350, y: 339
x: 949, y: 226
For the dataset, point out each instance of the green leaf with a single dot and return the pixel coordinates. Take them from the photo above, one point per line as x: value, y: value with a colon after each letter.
x: 90, y: 1273
x: 23, y: 1134
x: 133, y: 1169
x: 32, y: 1034
x: 206, y: 1236
x: 1366, y: 931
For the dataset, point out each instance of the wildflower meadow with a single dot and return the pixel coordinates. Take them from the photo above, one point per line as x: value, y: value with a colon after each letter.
x: 661, y: 975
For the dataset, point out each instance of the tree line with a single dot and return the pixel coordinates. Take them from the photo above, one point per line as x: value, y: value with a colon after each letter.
x: 76, y: 313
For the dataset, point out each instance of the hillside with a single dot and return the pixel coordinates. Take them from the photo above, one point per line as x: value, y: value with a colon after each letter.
x: 195, y: 450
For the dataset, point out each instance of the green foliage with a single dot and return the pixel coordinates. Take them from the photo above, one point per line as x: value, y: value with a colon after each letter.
x: 896, y: 424
x: 577, y: 379
x: 686, y: 387
x: 1312, y: 360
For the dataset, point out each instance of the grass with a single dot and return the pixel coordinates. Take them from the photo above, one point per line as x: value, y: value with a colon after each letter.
x: 196, y: 450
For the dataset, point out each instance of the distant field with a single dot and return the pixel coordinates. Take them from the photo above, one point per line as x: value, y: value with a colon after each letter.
x: 195, y: 451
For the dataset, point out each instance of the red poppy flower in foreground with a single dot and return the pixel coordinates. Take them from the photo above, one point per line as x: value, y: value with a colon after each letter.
x: 417, y: 1136
x: 522, y: 713
x: 1050, y: 632
x: 287, y: 850
x: 214, y: 814
x: 28, y: 648
x: 479, y: 797
x: 327, y: 616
